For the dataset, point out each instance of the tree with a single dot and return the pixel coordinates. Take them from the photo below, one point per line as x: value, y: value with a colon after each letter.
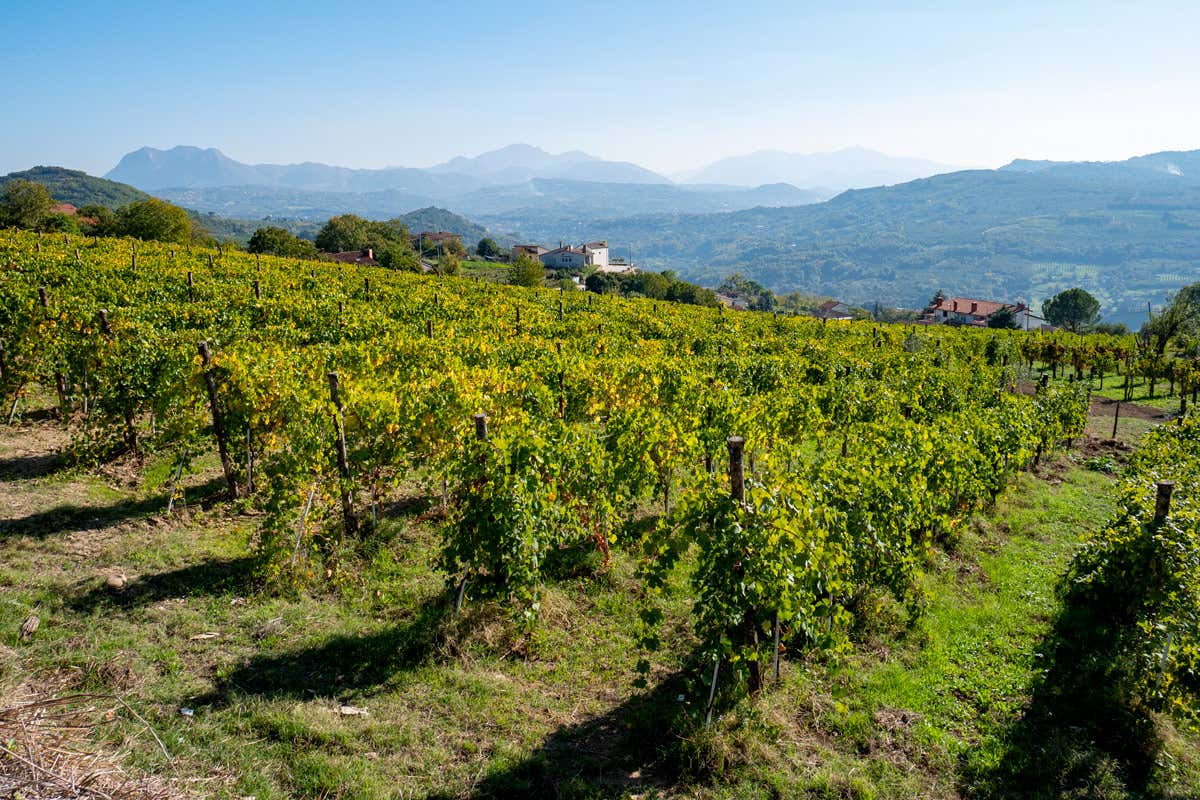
x: 527, y: 272
x: 448, y: 264
x: 1180, y: 318
x: 398, y: 256
x: 1111, y: 328
x: 487, y: 248
x: 342, y: 233
x: 1075, y: 309
x: 1005, y: 319
x: 651, y: 284
x: 97, y: 219
x: 26, y: 204
x: 937, y: 298
x: 154, y: 219
x: 280, y: 242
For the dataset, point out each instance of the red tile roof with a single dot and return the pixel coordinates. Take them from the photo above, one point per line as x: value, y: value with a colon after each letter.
x: 969, y: 306
x: 365, y: 256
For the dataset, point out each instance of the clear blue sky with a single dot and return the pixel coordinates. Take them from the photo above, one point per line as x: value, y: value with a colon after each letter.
x: 670, y: 85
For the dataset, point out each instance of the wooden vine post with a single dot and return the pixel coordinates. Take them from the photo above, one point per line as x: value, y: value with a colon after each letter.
x: 131, y: 436
x: 481, y: 433
x: 191, y: 287
x: 737, y: 471
x: 343, y: 462
x: 210, y: 383
x: 1162, y: 501
x: 1116, y: 418
x: 60, y: 380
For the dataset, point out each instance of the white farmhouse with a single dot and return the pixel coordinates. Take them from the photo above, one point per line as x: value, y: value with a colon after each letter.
x: 590, y: 254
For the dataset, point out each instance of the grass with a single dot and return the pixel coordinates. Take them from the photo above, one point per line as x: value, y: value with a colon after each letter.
x: 454, y: 708
x: 488, y: 270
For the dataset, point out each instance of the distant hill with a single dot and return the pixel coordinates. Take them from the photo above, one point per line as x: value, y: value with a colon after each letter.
x: 79, y: 188
x: 521, y: 162
x: 439, y: 219
x: 851, y: 168
x: 185, y: 167
x: 508, y: 206
x: 1127, y: 231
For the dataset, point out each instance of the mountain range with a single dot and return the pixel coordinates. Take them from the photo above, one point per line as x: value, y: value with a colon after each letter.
x: 1127, y: 231
x: 512, y: 185
x: 850, y: 168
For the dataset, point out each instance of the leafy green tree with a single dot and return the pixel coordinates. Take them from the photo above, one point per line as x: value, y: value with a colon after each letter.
x: 154, y: 219
x: 487, y: 248
x: 280, y: 242
x: 1111, y: 328
x: 527, y: 272
x: 449, y: 263
x: 399, y: 256
x: 1075, y: 309
x: 60, y: 223
x: 1180, y: 318
x: 1005, y: 319
x: 651, y: 284
x: 97, y: 219
x: 603, y: 282
x: 342, y: 233
x: 26, y: 204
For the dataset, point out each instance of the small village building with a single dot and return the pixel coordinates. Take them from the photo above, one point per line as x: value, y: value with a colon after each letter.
x: 438, y: 237
x: 833, y: 311
x: 534, y: 251
x: 590, y: 254
x: 364, y: 257
x: 970, y: 311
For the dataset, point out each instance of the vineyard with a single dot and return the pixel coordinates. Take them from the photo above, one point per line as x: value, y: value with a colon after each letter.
x: 795, y: 476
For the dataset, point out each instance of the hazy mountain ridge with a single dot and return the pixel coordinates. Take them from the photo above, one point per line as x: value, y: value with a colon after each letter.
x: 849, y: 168
x: 188, y: 167
x: 514, y: 204
x: 1127, y: 231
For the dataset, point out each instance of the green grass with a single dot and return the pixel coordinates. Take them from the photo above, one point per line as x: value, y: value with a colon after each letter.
x: 457, y: 708
x: 488, y: 270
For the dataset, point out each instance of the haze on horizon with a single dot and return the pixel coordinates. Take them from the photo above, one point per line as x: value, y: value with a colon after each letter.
x: 669, y: 85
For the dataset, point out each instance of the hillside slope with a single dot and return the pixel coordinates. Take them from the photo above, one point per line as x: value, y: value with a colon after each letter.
x: 1128, y: 232
x: 78, y: 188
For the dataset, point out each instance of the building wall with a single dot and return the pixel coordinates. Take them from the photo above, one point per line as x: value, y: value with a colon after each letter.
x: 599, y: 258
x: 566, y: 260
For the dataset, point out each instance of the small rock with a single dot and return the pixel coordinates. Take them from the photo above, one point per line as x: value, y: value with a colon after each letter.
x: 115, y: 583
x: 352, y: 711
x: 187, y: 712
x: 203, y: 636
x: 29, y: 627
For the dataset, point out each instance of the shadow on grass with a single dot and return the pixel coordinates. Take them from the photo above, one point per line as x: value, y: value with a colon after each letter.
x: 340, y: 664
x: 1082, y: 734
x: 633, y: 749
x: 210, y: 578
x: 23, y: 468
x: 70, y: 517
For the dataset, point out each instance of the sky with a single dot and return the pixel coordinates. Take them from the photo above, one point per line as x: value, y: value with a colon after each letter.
x: 668, y: 85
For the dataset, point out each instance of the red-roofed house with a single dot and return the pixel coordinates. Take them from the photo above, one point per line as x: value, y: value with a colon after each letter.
x: 969, y: 311
x: 833, y: 310
x: 365, y: 257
